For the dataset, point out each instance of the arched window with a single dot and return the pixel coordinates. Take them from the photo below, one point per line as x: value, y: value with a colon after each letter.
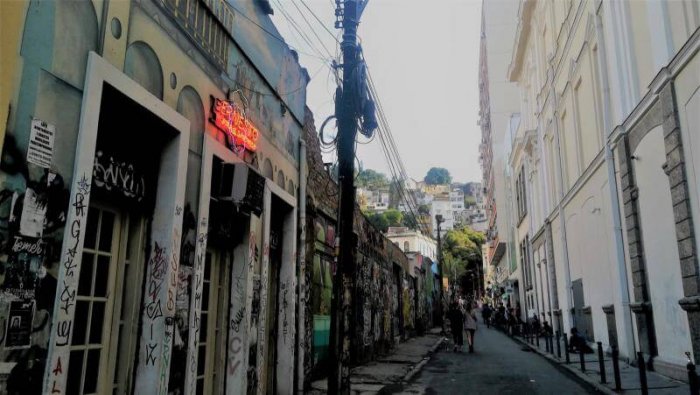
x: 405, y: 246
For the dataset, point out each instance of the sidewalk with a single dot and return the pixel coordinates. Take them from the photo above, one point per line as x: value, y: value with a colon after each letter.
x: 399, y: 366
x: 629, y: 375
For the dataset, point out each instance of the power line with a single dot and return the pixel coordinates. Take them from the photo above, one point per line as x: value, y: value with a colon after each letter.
x: 273, y: 35
x: 319, y: 21
x: 293, y: 91
x: 312, y: 28
x: 292, y: 22
x: 396, y: 165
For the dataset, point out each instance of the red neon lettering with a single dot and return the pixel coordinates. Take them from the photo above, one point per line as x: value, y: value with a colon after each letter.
x: 231, y: 121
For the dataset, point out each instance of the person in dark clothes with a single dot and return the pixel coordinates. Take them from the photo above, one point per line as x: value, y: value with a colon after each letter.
x: 577, y: 343
x: 457, y: 325
x: 486, y: 313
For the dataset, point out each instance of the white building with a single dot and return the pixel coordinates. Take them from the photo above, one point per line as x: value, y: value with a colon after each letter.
x: 603, y: 177
x: 376, y: 201
x: 413, y: 241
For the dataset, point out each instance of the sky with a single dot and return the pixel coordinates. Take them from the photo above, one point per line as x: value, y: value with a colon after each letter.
x: 423, y: 57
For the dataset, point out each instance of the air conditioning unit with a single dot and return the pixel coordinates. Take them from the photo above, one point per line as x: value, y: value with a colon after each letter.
x: 242, y: 186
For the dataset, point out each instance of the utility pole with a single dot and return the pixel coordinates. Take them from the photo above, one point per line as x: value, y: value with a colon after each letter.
x: 440, y: 220
x: 343, y: 315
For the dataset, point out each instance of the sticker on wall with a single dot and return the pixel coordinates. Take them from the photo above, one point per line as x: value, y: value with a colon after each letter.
x: 33, y: 214
x: 19, y: 324
x: 40, y: 150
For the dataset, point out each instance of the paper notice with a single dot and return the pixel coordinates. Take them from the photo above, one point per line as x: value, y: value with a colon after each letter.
x: 40, y: 150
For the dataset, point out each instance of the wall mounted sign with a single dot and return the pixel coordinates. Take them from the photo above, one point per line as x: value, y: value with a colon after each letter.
x: 40, y: 150
x: 232, y: 120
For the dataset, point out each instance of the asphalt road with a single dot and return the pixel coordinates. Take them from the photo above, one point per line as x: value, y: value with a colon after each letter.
x: 499, y: 365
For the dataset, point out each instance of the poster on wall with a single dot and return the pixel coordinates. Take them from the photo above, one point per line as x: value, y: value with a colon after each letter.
x: 19, y: 324
x: 23, y: 266
x: 41, y: 138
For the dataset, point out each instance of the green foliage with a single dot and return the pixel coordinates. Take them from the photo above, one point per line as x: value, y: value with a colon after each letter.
x: 390, y: 218
x: 410, y: 221
x: 393, y: 217
x: 462, y: 249
x: 371, y: 179
x: 438, y: 176
x: 423, y: 209
x: 469, y: 201
x: 379, y: 221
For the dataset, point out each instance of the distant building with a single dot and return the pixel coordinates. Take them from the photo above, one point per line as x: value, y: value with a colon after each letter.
x: 413, y: 241
x: 375, y: 201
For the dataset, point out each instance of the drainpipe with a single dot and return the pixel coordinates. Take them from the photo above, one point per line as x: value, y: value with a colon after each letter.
x: 626, y: 313
x: 301, y: 264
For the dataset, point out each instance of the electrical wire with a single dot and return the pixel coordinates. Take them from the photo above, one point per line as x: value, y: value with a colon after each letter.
x: 293, y: 91
x: 292, y: 22
x: 320, y: 22
x: 294, y: 3
x: 396, y: 166
x: 273, y: 35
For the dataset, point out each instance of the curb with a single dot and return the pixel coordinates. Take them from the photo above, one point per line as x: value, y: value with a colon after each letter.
x: 581, y: 377
x: 422, y: 363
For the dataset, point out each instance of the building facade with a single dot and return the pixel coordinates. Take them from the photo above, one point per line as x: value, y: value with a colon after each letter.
x: 147, y: 146
x: 413, y: 241
x: 603, y: 165
x: 498, y: 101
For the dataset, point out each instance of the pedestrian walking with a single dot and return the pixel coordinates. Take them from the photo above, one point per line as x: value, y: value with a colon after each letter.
x: 470, y: 324
x: 456, y: 325
x: 486, y: 314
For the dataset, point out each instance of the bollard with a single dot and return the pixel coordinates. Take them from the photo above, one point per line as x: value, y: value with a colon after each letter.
x: 558, y: 345
x: 566, y: 350
x: 693, y: 381
x: 601, y: 363
x: 642, y: 373
x: 546, y: 342
x: 537, y: 340
x: 616, y: 368
x: 551, y: 343
x: 582, y: 358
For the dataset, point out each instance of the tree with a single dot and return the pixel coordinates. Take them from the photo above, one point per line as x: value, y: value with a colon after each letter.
x: 462, y: 252
x: 438, y: 176
x: 379, y: 221
x: 393, y: 217
x: 469, y: 201
x: 410, y: 221
x: 371, y: 179
x: 424, y: 209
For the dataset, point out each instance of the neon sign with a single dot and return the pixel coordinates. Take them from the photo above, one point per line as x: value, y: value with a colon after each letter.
x: 229, y: 118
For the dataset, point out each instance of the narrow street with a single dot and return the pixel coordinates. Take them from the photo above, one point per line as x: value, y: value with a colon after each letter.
x: 498, y: 366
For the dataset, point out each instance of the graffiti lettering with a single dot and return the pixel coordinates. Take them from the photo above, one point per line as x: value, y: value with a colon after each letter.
x: 119, y: 176
x: 153, y: 310
x: 285, y: 304
x: 30, y: 246
x: 58, y: 369
x: 83, y: 186
x: 237, y: 320
x: 67, y: 297
x: 235, y: 347
x: 79, y: 204
x: 63, y: 329
x: 150, y: 351
x: 158, y: 265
